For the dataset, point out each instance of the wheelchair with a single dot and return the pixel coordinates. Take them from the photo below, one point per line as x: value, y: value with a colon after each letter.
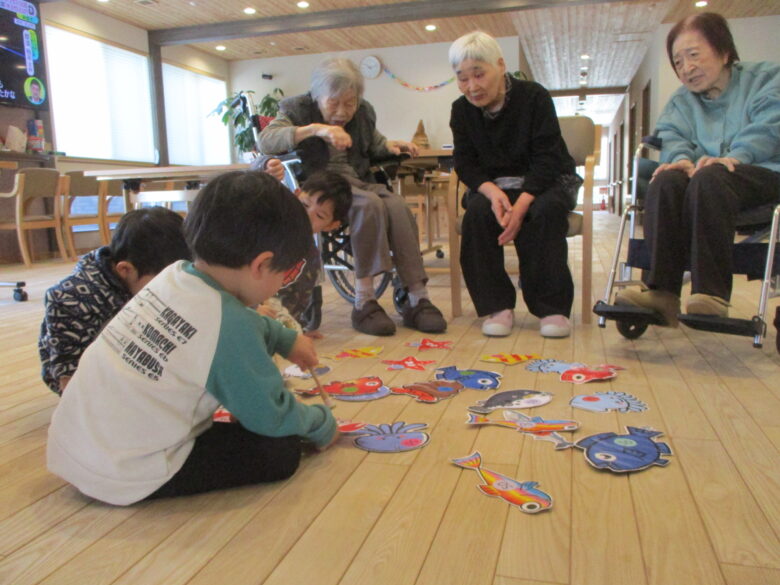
x: 752, y: 256
x: 335, y: 247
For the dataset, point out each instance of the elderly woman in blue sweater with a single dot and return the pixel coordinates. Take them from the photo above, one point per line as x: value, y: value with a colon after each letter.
x: 720, y: 155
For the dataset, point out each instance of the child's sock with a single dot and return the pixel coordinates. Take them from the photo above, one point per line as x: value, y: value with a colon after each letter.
x: 364, y: 291
x: 417, y: 291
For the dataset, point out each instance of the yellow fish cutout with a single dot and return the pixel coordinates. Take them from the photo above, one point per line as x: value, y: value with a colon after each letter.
x: 360, y: 352
x: 509, y: 359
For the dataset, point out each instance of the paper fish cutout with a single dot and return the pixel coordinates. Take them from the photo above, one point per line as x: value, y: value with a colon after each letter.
x: 394, y: 438
x: 294, y: 371
x: 539, y: 428
x: 360, y: 352
x: 511, y: 399
x: 430, y: 391
x: 585, y: 374
x: 347, y: 427
x: 523, y: 495
x: 367, y: 388
x: 509, y: 359
x: 223, y: 415
x: 548, y: 366
x: 426, y: 343
x: 409, y: 363
x: 623, y: 453
x: 608, y: 401
x: 476, y: 379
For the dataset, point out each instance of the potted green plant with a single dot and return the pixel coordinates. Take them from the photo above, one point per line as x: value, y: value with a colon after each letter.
x: 269, y: 105
x: 237, y: 110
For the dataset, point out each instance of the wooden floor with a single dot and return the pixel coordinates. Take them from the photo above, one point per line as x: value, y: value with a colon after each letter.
x: 711, y: 517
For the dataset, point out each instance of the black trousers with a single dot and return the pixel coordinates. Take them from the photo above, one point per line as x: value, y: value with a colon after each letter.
x: 691, y: 222
x: 228, y: 455
x: 545, y: 279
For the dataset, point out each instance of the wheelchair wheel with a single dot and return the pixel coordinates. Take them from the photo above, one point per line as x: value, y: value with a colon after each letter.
x: 337, y: 260
x: 631, y: 329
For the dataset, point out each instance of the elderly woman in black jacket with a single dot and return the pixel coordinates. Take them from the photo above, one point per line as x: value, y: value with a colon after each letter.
x: 382, y: 229
x: 510, y: 153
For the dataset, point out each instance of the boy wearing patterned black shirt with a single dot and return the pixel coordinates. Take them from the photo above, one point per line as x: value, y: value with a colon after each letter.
x: 76, y: 309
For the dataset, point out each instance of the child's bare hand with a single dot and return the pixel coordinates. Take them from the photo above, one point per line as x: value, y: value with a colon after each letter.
x: 303, y: 353
x: 335, y: 438
x: 266, y: 311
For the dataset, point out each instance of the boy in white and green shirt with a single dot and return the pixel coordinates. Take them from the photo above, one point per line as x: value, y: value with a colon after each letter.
x: 136, y: 421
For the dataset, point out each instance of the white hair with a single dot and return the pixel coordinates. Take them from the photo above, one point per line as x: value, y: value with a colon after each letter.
x: 476, y: 45
x: 333, y: 77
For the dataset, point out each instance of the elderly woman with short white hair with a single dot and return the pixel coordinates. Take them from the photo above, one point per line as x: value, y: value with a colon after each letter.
x: 382, y: 229
x: 522, y: 183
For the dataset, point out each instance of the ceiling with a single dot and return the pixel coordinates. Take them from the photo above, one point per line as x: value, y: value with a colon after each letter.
x: 553, y: 34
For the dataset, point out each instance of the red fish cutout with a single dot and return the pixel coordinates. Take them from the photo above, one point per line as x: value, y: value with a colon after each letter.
x: 585, y: 374
x: 367, y: 388
x: 430, y: 391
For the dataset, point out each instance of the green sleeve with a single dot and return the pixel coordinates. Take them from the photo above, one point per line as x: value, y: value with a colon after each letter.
x: 246, y: 381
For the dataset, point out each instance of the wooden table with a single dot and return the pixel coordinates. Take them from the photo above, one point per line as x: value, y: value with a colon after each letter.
x: 134, y: 178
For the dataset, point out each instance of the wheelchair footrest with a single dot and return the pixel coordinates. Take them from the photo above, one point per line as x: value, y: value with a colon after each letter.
x: 627, y: 314
x: 744, y: 327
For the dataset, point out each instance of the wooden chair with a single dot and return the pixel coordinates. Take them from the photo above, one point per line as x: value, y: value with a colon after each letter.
x: 110, y: 191
x: 76, y: 186
x: 31, y: 184
x: 583, y: 140
x: 19, y: 293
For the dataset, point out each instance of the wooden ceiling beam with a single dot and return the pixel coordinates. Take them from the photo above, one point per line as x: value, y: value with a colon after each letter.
x: 331, y: 19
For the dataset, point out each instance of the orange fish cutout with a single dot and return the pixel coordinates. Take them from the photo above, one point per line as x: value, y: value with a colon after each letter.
x: 360, y: 352
x: 509, y: 359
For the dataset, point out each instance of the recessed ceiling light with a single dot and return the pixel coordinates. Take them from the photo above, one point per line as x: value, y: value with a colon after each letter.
x: 302, y: 4
x: 193, y: 3
x: 584, y: 56
x: 103, y: 1
x: 272, y: 43
x: 249, y: 10
x: 220, y: 47
x: 701, y: 4
x: 430, y: 27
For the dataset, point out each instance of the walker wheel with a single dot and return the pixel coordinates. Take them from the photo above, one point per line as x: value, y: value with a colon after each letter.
x: 631, y: 329
x: 20, y: 295
x: 440, y: 254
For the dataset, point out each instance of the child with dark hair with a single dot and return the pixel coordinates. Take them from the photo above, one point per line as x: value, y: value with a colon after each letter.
x: 327, y: 197
x: 136, y: 421
x: 76, y: 309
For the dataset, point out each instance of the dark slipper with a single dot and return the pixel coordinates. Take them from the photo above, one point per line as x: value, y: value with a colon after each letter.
x: 372, y: 320
x: 424, y: 317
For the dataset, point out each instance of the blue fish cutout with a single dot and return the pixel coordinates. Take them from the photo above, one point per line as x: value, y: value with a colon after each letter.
x: 623, y: 453
x: 607, y: 401
x: 474, y: 379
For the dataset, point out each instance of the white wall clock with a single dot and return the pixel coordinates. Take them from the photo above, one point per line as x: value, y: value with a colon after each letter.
x: 370, y: 67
